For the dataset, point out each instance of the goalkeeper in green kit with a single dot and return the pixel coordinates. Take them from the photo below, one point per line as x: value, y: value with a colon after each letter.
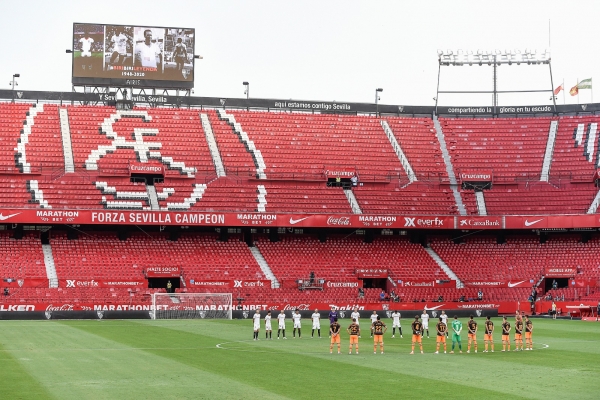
x: 456, y: 329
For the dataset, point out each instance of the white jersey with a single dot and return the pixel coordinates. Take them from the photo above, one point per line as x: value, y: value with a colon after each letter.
x: 444, y: 319
x: 180, y: 51
x: 146, y: 55
x: 297, y: 317
x: 120, y: 43
x: 281, y: 318
x: 356, y: 316
x: 86, y: 46
x: 256, y: 318
x: 316, y: 319
x: 425, y: 320
x: 396, y: 320
x: 373, y: 318
x: 268, y: 323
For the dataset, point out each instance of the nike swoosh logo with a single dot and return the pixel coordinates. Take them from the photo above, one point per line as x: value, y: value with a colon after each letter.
x: 514, y: 284
x: 528, y: 223
x: 295, y: 221
x: 2, y: 217
x: 434, y: 308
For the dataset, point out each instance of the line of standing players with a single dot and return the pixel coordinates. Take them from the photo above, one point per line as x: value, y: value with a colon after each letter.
x: 419, y: 327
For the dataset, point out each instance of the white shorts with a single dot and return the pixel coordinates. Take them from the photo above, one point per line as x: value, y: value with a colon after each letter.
x: 281, y: 326
x: 268, y: 327
x: 297, y: 325
x: 316, y: 326
x: 256, y: 327
x: 425, y: 326
x: 86, y: 53
x: 396, y: 325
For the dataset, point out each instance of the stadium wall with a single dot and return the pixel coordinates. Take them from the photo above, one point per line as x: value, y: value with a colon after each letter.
x: 296, y: 105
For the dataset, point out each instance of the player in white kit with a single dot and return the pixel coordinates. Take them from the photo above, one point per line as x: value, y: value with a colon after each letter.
x: 268, y: 329
x: 355, y: 316
x: 396, y: 323
x: 281, y: 319
x: 256, y: 318
x: 373, y: 320
x: 297, y: 324
x: 425, y: 320
x: 119, y: 51
x: 444, y: 318
x: 316, y: 320
x: 86, y: 46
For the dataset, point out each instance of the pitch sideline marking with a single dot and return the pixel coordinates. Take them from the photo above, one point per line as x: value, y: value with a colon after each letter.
x: 220, y: 346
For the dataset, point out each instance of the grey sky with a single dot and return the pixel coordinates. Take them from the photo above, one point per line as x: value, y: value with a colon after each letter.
x: 325, y: 50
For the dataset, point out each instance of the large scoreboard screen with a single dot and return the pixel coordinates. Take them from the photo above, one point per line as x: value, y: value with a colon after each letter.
x: 133, y: 56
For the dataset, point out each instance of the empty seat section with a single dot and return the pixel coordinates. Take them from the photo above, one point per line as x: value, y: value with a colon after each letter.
x: 541, y: 198
x: 510, y: 147
x: 21, y: 258
x: 302, y: 145
x: 417, y: 138
x: 295, y: 257
x: 572, y: 158
x: 414, y: 199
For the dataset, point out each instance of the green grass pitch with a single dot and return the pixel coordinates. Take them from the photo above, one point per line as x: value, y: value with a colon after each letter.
x: 197, y: 359
x: 95, y: 54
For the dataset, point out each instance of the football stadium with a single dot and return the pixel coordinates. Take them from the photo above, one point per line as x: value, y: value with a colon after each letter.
x: 165, y: 236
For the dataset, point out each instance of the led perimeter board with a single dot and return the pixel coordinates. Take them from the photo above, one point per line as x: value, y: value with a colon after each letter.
x: 133, y: 56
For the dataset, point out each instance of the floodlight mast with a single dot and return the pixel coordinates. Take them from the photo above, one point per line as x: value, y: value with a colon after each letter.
x: 495, y: 59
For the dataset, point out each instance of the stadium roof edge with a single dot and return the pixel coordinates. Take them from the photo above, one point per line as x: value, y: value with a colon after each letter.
x: 292, y: 105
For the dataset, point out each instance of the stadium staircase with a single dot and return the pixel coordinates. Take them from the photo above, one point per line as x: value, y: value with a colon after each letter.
x: 544, y: 176
x: 212, y: 145
x: 152, y: 197
x: 449, y: 167
x: 444, y: 267
x: 264, y: 266
x: 352, y: 201
x: 65, y: 132
x: 261, y: 198
x: 249, y: 144
x: 399, y: 153
x: 50, y: 266
x: 594, y: 206
x: 21, y: 158
x: 480, y: 202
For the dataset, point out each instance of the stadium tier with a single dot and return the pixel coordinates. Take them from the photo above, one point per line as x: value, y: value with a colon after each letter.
x: 100, y: 267
x: 323, y: 206
x: 82, y: 157
x: 342, y: 257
